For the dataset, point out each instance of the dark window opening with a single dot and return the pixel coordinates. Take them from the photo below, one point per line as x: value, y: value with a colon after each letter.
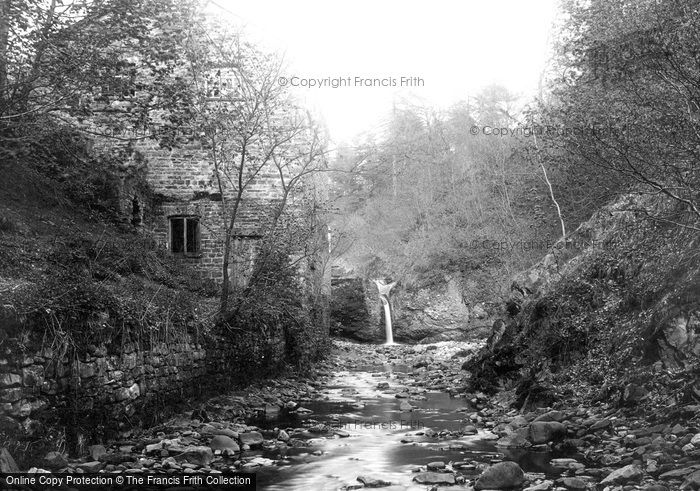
x: 184, y: 235
x: 177, y: 234
x: 135, y: 212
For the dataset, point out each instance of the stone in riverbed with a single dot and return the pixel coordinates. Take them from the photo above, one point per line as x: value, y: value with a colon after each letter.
x: 633, y: 393
x: 516, y: 439
x: 154, y: 447
x: 469, y: 430
x: 116, y: 458
x: 543, y: 486
x: 199, y: 455
x: 55, y: 460
x: 599, y: 425
x: 551, y: 416
x: 319, y: 428
x: 91, y: 466
x: 573, y: 483
x: 503, y: 475
x: 518, y: 422
x: 624, y: 475
x: 562, y: 463
x: 546, y: 431
x: 688, y: 448
x: 436, y: 466
x: 692, y: 481
x: 570, y: 445
x: 210, y: 430
x: 97, y: 451
x: 170, y: 463
x: 676, y: 473
x: 610, y: 460
x: 272, y: 410
x: 405, y: 406
x: 370, y: 482
x: 434, y: 478
x: 464, y: 466
x: 38, y: 470
x: 224, y: 443
x: 678, y: 430
x: 251, y: 438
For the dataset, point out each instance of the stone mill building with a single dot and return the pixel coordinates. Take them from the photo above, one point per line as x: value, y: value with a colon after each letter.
x: 172, y: 195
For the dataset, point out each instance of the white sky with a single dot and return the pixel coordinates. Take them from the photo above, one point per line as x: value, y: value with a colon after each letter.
x: 456, y: 47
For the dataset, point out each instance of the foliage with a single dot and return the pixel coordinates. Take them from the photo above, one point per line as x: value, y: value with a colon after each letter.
x: 625, y: 79
x: 100, y: 60
x: 601, y: 325
x: 110, y: 290
x: 253, y: 130
x: 618, y: 112
x: 430, y: 199
x: 276, y: 306
x: 61, y: 155
x: 125, y: 70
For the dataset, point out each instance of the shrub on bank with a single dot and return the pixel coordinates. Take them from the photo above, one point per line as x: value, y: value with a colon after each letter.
x: 276, y: 309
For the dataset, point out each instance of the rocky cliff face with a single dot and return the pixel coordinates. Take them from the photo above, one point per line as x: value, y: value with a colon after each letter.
x: 438, y: 313
x: 352, y: 313
x: 420, y: 315
x: 615, y: 301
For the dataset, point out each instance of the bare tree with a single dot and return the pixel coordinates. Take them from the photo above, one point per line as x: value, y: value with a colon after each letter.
x: 254, y: 131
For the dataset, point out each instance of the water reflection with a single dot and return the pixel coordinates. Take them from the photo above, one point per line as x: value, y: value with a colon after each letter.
x: 385, y: 441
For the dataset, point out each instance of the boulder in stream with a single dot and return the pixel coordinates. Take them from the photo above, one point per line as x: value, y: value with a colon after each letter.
x: 434, y: 478
x: 370, y: 482
x: 224, y: 443
x: 502, y: 475
x: 546, y: 431
x: 251, y: 438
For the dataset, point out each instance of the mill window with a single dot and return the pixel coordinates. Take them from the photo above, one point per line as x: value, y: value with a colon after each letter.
x: 184, y: 235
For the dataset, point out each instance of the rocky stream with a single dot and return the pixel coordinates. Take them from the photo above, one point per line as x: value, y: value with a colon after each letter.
x: 398, y: 417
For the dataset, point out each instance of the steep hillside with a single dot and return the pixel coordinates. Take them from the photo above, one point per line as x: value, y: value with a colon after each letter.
x: 101, y: 329
x: 611, y: 314
x: 73, y: 255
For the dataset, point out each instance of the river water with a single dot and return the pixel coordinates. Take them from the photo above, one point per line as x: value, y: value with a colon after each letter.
x: 373, y: 435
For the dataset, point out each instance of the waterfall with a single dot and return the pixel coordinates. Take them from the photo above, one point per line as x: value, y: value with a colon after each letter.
x: 384, y: 290
x: 387, y: 321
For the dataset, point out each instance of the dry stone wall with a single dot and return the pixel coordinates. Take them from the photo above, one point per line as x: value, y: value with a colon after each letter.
x: 102, y: 392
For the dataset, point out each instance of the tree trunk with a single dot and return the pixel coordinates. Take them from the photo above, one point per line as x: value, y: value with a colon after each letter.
x: 228, y: 230
x: 551, y: 191
x: 225, y: 285
x: 4, y: 39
